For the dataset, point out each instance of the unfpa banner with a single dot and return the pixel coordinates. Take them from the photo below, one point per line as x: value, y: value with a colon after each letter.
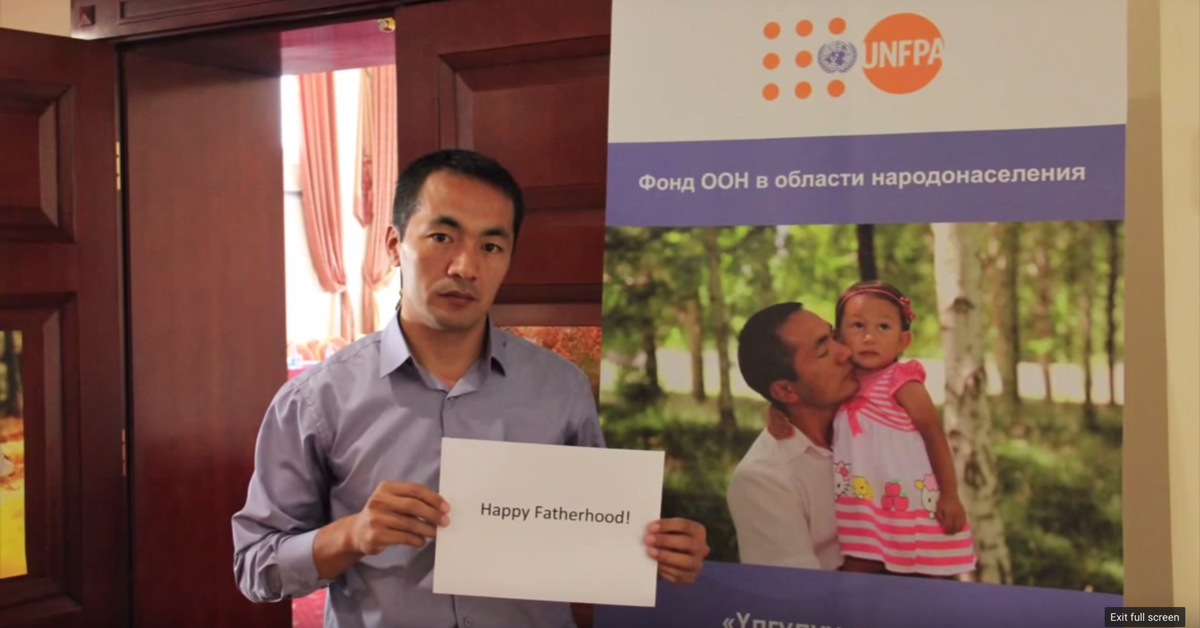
x: 773, y: 112
x: 863, y: 287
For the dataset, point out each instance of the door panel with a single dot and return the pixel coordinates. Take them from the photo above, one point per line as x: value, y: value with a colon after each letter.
x: 525, y: 81
x: 63, y: 542
x: 35, y: 122
x: 208, y: 326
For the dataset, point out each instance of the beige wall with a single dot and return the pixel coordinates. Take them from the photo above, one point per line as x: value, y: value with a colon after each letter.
x: 1180, y: 86
x: 1162, y: 435
x: 1146, y: 466
x: 52, y: 17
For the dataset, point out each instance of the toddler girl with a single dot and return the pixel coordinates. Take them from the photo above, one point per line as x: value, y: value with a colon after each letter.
x: 897, y: 505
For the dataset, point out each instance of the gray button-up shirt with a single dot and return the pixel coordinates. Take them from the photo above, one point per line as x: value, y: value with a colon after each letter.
x: 368, y: 414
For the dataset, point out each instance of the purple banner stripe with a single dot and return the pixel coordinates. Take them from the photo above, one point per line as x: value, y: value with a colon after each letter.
x: 727, y: 593
x: 1098, y: 195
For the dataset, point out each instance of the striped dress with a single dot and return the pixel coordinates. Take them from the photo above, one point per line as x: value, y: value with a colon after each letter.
x: 886, y: 491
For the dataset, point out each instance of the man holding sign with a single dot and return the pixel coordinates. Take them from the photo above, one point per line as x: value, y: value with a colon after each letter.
x: 349, y: 450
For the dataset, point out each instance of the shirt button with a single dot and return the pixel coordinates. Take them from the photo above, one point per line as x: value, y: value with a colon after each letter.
x: 467, y: 622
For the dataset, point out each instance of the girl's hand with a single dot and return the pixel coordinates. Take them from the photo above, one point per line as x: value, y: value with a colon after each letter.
x: 951, y: 514
x: 778, y: 424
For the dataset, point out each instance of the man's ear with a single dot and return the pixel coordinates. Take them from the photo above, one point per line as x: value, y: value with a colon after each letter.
x: 391, y: 240
x: 785, y: 391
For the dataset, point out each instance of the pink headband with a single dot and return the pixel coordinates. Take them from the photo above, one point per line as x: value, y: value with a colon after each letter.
x: 904, y: 303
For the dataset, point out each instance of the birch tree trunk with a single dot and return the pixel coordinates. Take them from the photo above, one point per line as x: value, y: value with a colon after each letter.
x: 691, y: 319
x: 1007, y: 316
x: 763, y: 279
x: 966, y: 416
x: 650, y: 350
x: 1044, y: 286
x: 1110, y: 306
x: 1084, y: 256
x: 720, y: 325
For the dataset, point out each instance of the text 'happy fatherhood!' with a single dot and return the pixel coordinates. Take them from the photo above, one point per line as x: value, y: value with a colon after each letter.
x: 516, y: 513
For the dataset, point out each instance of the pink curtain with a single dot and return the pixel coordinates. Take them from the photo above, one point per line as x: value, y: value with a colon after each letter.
x: 321, y: 197
x: 377, y: 173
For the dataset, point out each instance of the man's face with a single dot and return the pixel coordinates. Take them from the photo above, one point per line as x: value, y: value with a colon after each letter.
x: 454, y: 253
x: 824, y: 373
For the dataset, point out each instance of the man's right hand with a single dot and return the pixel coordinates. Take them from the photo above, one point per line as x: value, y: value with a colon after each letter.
x: 398, y: 513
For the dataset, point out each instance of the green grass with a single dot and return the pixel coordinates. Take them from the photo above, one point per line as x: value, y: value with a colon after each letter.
x: 1059, y: 475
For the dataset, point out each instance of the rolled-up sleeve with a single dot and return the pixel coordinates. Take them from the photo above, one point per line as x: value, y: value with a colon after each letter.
x: 286, y: 503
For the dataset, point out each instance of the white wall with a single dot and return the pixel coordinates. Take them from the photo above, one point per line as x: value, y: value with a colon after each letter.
x: 313, y: 313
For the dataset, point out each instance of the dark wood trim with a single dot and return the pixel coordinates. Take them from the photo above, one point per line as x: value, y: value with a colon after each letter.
x: 549, y: 293
x: 597, y: 46
x: 547, y: 314
x: 279, y: 15
x: 257, y: 51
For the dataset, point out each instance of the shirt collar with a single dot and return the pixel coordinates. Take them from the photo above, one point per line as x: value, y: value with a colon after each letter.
x: 799, y: 444
x: 394, y: 350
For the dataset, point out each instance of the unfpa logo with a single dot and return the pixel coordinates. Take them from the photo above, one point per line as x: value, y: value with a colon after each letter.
x: 901, y: 54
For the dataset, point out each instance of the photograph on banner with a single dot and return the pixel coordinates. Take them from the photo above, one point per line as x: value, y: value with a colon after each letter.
x: 980, y: 440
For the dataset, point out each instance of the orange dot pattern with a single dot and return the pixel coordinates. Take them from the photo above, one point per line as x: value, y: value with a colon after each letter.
x: 804, y: 58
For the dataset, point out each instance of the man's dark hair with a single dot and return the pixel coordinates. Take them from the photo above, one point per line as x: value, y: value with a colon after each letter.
x: 459, y: 161
x: 763, y: 356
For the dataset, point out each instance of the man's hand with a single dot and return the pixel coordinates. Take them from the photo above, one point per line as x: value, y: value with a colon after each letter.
x: 398, y: 513
x: 680, y: 548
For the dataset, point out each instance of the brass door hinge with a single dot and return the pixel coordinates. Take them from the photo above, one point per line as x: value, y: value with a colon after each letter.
x: 118, y: 166
x: 124, y: 457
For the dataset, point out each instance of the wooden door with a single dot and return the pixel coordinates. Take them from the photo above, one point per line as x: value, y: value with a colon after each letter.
x: 63, y: 539
x: 208, y: 325
x: 526, y: 82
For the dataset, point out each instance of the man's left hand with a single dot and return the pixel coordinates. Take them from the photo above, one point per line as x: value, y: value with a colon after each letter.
x: 680, y: 548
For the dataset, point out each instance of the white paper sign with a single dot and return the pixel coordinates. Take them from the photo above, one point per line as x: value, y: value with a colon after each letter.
x: 548, y: 522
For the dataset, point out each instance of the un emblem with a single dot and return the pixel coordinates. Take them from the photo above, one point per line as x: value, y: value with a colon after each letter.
x: 837, y: 56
